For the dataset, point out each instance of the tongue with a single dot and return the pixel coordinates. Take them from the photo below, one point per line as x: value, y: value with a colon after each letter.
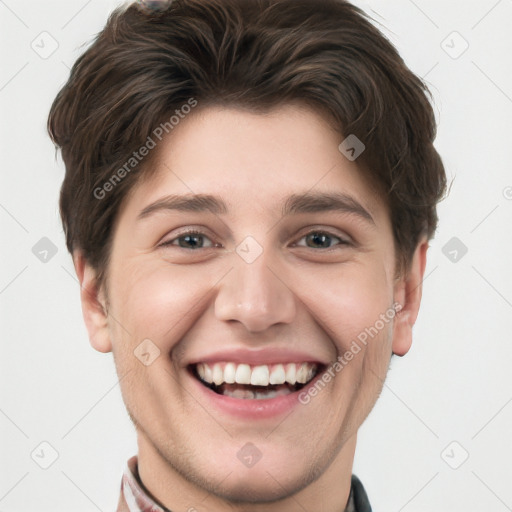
x: 254, y: 392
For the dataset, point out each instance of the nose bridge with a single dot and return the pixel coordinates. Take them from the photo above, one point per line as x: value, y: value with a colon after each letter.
x: 253, y: 294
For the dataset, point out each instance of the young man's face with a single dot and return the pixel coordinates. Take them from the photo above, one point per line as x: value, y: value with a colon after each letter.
x: 257, y: 286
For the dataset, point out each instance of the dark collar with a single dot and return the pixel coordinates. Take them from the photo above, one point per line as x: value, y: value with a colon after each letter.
x: 358, y: 499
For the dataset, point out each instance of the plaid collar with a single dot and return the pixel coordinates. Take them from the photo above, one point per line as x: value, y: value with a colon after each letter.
x: 134, y: 498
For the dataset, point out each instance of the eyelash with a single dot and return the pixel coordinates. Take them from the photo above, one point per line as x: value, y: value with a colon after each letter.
x: 342, y: 241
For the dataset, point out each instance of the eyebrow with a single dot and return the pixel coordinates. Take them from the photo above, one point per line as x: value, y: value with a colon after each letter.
x: 186, y: 203
x: 325, y: 202
x: 310, y: 202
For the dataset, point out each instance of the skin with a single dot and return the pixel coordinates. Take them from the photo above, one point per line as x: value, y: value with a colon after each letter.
x: 296, y: 295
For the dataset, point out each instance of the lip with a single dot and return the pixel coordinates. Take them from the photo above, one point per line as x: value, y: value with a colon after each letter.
x: 247, y: 409
x: 258, y: 357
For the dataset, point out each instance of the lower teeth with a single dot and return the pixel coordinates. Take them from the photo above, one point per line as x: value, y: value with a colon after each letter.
x: 248, y: 394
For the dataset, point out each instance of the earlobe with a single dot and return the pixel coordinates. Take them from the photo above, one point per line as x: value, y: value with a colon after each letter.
x: 93, y: 305
x: 408, y: 294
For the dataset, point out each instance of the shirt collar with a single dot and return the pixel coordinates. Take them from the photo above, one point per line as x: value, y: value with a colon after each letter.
x: 134, y: 498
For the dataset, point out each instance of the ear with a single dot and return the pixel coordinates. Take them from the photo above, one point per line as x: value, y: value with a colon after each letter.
x: 93, y: 305
x: 408, y: 290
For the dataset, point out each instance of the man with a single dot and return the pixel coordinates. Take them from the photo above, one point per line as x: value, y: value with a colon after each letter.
x: 250, y: 190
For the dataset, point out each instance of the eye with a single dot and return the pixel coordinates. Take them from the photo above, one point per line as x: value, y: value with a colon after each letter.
x: 321, y: 240
x: 195, y: 240
x: 190, y: 240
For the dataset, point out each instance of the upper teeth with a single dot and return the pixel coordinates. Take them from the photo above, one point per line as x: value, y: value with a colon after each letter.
x: 261, y: 375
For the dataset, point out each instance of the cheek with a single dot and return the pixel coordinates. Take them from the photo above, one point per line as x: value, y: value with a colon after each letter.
x: 349, y: 301
x: 159, y: 301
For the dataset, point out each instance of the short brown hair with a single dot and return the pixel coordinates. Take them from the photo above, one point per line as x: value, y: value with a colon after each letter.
x: 254, y: 54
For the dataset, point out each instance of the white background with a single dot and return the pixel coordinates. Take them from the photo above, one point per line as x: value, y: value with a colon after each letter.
x: 454, y: 386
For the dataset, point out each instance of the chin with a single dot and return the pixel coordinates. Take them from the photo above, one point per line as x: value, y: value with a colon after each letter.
x: 262, y: 488
x: 269, y: 480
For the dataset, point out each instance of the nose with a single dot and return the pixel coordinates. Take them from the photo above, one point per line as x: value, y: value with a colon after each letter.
x: 253, y: 295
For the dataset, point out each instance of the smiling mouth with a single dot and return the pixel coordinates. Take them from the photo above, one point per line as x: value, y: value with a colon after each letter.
x: 249, y: 382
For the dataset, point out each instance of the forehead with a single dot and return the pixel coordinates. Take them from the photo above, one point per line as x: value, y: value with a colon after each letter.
x: 253, y: 161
